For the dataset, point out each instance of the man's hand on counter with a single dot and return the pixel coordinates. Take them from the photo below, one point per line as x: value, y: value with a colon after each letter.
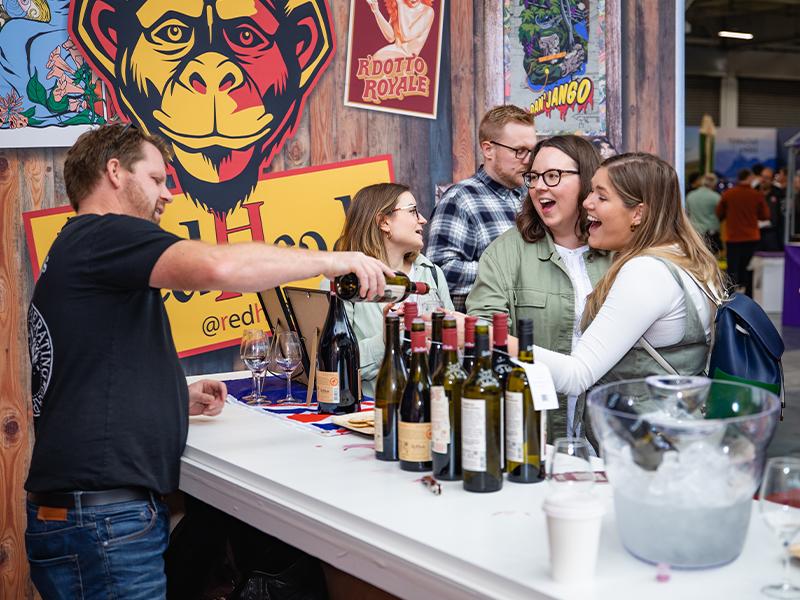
x: 207, y: 397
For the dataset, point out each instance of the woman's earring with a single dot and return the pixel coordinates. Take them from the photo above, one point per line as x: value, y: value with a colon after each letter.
x: 634, y: 226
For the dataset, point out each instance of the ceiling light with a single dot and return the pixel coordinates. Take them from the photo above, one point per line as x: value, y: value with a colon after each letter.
x: 737, y: 35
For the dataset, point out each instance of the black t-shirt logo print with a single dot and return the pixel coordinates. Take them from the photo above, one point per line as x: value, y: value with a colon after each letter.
x: 40, y: 346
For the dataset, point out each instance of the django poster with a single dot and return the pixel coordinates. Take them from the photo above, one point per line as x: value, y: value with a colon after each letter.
x: 554, y: 63
x: 393, y: 54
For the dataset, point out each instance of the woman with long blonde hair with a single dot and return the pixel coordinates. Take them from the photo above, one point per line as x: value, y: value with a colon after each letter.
x: 651, y: 294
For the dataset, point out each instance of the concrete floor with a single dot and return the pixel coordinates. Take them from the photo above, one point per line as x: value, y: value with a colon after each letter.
x: 787, y: 436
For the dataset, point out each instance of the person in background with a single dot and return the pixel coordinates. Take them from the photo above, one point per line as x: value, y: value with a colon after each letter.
x: 473, y: 212
x: 383, y: 221
x: 701, y: 204
x: 742, y: 207
x: 762, y: 177
x: 110, y: 401
x: 543, y: 269
x: 772, y: 233
x: 694, y: 180
x: 649, y: 293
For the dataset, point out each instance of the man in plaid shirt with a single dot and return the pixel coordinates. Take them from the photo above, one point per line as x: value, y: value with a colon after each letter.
x: 473, y: 212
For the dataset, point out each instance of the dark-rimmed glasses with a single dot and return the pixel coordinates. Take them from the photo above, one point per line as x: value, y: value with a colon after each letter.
x: 519, y: 153
x: 551, y: 177
x: 412, y: 208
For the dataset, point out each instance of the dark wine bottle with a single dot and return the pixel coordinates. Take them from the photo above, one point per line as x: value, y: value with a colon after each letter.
x: 648, y: 443
x: 398, y: 288
x: 525, y: 426
x: 338, y: 373
x: 414, y: 429
x: 480, y: 421
x: 389, y: 388
x: 435, y: 353
x: 448, y: 383
x: 410, y: 312
x: 469, y: 343
x: 501, y: 365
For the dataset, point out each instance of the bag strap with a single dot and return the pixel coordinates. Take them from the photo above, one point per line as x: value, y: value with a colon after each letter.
x: 657, y: 356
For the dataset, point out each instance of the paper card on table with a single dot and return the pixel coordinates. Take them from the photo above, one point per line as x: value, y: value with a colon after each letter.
x: 540, y: 380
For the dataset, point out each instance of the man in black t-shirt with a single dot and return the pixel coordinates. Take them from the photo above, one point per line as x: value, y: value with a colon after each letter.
x: 110, y: 400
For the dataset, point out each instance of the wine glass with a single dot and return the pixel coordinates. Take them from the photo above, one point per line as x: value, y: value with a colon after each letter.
x: 284, y: 356
x: 569, y: 469
x: 779, y: 505
x: 253, y: 350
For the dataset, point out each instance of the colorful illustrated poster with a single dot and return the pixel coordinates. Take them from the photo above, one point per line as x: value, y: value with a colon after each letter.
x: 554, y: 63
x: 311, y: 205
x: 48, y: 93
x: 393, y: 54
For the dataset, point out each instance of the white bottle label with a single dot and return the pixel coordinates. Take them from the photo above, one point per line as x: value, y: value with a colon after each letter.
x: 393, y: 293
x: 541, y: 383
x: 440, y: 419
x: 514, y: 427
x: 378, y: 429
x: 473, y: 435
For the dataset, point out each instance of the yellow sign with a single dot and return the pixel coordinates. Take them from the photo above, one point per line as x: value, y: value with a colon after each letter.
x: 303, y: 208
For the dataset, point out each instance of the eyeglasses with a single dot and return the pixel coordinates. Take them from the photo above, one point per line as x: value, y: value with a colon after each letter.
x: 125, y: 128
x: 519, y: 153
x: 551, y: 177
x: 412, y: 208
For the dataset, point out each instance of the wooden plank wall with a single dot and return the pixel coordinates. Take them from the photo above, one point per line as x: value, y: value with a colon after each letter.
x: 426, y: 153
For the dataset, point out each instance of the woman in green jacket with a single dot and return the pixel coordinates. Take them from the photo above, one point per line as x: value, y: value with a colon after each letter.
x: 543, y: 268
x: 383, y: 222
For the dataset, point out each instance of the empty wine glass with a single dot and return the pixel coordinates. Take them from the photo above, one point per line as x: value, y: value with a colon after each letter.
x: 779, y: 505
x: 570, y: 468
x: 253, y: 350
x: 284, y: 356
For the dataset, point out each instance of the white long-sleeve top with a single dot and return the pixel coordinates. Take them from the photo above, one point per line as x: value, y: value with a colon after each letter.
x: 645, y: 300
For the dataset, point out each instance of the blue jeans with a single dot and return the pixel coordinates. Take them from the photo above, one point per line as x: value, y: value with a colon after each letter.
x: 110, y: 551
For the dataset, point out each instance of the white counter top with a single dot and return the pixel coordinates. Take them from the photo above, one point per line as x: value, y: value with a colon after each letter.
x: 369, y: 518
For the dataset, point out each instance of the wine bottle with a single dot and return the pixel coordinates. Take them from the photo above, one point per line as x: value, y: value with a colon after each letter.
x: 648, y: 443
x: 446, y: 389
x: 389, y: 388
x: 435, y: 353
x: 480, y: 421
x: 338, y: 372
x: 525, y: 426
x: 501, y: 365
x: 414, y: 429
x: 398, y: 288
x: 469, y: 343
x: 410, y: 312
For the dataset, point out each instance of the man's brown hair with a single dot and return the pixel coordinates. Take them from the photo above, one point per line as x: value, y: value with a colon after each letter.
x: 498, y: 117
x: 89, y: 155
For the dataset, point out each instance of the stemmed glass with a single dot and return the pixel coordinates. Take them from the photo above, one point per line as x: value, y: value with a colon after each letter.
x: 284, y: 355
x: 570, y: 469
x: 253, y: 350
x: 779, y: 504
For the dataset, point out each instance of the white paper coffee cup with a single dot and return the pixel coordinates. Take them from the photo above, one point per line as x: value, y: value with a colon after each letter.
x: 573, y: 530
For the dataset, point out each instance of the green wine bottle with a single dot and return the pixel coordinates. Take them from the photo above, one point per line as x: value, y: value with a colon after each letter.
x: 480, y: 421
x: 389, y: 388
x: 448, y: 382
x: 414, y: 429
x: 525, y: 426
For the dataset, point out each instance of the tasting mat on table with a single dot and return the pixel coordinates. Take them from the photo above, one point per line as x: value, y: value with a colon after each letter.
x: 305, y: 416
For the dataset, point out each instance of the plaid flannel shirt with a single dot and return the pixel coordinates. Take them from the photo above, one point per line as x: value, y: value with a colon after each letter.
x: 470, y: 215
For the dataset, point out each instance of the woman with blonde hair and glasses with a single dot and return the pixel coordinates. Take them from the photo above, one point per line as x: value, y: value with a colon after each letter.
x: 650, y: 295
x: 383, y: 222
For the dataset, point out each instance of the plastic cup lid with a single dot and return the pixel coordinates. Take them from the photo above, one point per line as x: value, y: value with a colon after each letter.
x: 570, y: 505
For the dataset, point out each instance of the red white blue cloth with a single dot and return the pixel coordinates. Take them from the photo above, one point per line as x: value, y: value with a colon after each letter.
x: 297, y: 412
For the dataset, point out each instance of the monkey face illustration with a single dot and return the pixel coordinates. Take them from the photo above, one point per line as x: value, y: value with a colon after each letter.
x: 224, y: 81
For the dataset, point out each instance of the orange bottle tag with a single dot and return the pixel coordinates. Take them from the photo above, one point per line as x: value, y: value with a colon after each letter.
x: 50, y: 513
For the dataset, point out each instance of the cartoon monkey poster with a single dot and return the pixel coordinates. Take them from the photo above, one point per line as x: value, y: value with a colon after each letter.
x: 223, y: 81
